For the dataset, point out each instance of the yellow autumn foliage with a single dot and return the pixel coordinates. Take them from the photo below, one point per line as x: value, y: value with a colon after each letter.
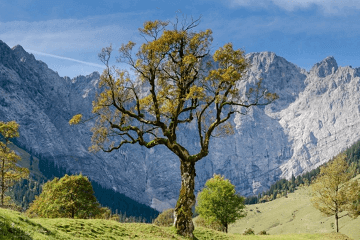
x: 75, y: 119
x: 10, y: 171
x: 332, y: 191
x: 175, y: 82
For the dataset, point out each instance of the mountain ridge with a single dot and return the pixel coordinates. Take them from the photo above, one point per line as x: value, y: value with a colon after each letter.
x: 287, y: 137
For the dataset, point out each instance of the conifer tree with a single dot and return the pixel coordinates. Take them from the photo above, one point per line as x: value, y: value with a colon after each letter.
x: 10, y: 172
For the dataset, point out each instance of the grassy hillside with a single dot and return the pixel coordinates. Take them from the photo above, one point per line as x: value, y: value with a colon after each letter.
x: 294, y: 214
x: 14, y: 225
x: 283, y: 186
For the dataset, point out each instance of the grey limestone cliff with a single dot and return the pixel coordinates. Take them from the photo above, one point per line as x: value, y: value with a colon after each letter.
x: 316, y: 116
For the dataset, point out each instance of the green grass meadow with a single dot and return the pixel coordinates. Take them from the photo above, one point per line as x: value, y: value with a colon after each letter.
x: 294, y: 214
x: 14, y: 225
x: 288, y: 218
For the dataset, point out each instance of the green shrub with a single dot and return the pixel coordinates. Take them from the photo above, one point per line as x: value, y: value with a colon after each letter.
x: 249, y: 232
x: 263, y: 232
x: 67, y: 197
x: 105, y: 213
x: 215, y: 225
x: 165, y: 219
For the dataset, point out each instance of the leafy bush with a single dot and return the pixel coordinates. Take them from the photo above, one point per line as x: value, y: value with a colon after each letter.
x: 67, y: 197
x: 249, y: 232
x: 201, y: 222
x: 263, y: 232
x: 166, y: 218
x: 105, y: 213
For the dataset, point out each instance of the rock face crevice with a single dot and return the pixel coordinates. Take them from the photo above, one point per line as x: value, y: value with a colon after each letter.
x: 316, y: 116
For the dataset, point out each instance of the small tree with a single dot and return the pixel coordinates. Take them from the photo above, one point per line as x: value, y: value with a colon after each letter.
x: 218, y: 201
x: 9, y: 171
x: 332, y: 191
x: 68, y: 197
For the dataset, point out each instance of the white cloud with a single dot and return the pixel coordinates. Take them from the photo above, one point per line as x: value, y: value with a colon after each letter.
x: 65, y: 58
x: 68, y: 36
x: 74, y: 42
x: 328, y: 6
x: 62, y: 35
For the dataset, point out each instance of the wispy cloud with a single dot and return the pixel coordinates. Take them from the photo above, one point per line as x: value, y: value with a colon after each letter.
x: 78, y: 41
x: 65, y: 58
x: 75, y: 41
x: 67, y: 36
x: 328, y: 6
x: 62, y: 35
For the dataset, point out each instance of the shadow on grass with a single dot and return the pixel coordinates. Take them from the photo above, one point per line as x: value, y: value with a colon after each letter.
x: 8, y: 230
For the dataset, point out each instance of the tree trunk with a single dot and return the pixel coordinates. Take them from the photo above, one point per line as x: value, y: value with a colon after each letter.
x: 183, y: 213
x: 226, y: 227
x: 2, y: 197
x: 2, y: 194
x: 2, y: 181
x: 72, y: 212
x: 337, y: 222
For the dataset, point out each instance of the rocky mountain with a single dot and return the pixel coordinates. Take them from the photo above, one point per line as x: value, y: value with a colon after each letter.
x: 316, y: 116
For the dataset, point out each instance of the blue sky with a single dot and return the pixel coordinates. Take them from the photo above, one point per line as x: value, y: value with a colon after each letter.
x: 68, y: 34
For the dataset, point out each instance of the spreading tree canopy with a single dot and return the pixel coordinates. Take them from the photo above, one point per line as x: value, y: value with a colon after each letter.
x: 67, y: 197
x: 219, y: 202
x: 177, y: 82
x: 10, y: 172
x: 332, y: 191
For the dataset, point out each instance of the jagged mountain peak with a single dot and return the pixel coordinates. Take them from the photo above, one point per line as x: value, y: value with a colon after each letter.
x: 20, y: 51
x: 325, y: 67
x: 261, y: 56
x: 94, y: 74
x: 3, y: 44
x: 23, y: 56
x: 86, y: 84
x: 87, y: 78
x: 7, y: 57
x: 24, y: 63
x: 267, y: 61
x: 279, y: 76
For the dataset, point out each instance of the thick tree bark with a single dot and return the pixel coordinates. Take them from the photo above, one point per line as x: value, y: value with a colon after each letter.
x: 183, y: 213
